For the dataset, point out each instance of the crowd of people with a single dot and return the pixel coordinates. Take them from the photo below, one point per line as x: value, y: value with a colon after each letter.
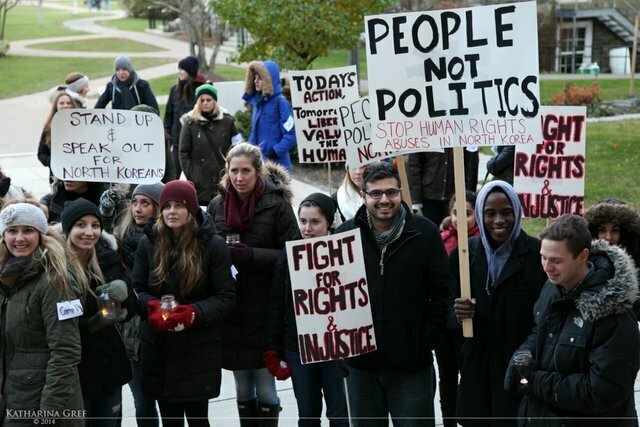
x: 160, y: 286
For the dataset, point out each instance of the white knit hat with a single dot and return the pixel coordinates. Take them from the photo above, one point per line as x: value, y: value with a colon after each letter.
x: 23, y: 214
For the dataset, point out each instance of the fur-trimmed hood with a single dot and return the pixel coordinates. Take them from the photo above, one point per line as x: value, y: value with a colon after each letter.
x: 613, y: 287
x: 624, y: 216
x: 278, y: 179
x: 190, y: 117
x: 270, y: 73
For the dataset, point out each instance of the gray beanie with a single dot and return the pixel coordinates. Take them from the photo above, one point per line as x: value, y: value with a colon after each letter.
x: 23, y: 214
x: 123, y: 62
x: 152, y: 191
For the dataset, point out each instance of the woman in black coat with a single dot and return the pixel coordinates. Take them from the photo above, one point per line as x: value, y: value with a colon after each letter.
x: 104, y: 366
x: 506, y: 279
x: 254, y: 206
x: 180, y: 354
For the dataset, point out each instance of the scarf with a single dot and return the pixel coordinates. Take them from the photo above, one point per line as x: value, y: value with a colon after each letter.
x: 389, y: 236
x: 237, y: 215
x: 13, y: 268
x: 349, y: 201
x: 125, y: 90
x: 497, y: 258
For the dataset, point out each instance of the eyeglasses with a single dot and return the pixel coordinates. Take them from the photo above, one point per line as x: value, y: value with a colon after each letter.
x: 377, y: 194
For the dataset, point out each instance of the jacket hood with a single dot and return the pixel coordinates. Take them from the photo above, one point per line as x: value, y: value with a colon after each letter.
x: 624, y: 216
x: 190, y: 117
x: 278, y: 179
x: 613, y: 287
x: 269, y: 71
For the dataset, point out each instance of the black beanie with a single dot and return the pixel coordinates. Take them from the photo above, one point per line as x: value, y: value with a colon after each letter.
x: 326, y: 204
x: 190, y: 64
x: 75, y: 210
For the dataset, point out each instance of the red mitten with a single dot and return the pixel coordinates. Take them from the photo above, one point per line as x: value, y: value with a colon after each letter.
x: 155, y: 317
x: 241, y: 255
x: 183, y: 317
x: 276, y: 367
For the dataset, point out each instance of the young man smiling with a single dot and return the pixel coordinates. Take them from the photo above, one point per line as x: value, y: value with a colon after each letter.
x: 409, y: 286
x: 585, y: 345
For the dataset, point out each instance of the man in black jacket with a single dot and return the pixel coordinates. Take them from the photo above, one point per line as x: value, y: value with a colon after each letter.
x: 409, y: 287
x: 579, y: 365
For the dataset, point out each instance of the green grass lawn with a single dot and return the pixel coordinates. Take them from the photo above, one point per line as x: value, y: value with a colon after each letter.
x: 100, y: 45
x: 340, y: 58
x: 611, y: 88
x: 227, y: 72
x: 611, y: 168
x: 22, y: 75
x: 127, y: 24
x: 23, y: 23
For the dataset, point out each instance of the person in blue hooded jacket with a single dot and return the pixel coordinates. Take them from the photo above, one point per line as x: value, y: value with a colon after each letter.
x: 272, y: 124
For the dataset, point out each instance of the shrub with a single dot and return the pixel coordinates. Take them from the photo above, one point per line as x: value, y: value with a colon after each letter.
x: 588, y: 96
x: 136, y: 8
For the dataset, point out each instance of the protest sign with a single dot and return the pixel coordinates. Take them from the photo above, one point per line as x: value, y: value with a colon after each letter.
x: 230, y: 96
x: 549, y: 177
x: 453, y: 78
x: 314, y: 94
x: 330, y: 297
x: 107, y: 146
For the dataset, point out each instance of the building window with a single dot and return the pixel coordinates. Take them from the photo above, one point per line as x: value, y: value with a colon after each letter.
x: 570, y: 50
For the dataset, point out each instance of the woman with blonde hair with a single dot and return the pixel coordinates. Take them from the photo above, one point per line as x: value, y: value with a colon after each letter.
x: 39, y: 344
x: 104, y: 367
x: 253, y: 212
x: 348, y: 195
x: 60, y: 102
x: 207, y: 134
x: 181, y: 256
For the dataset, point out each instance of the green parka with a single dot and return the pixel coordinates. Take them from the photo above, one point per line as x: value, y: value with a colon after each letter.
x: 39, y: 353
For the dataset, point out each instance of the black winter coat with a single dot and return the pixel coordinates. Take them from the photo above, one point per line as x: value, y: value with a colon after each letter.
x: 175, y: 109
x: 185, y: 366
x: 501, y: 323
x: 203, y: 147
x: 501, y: 165
x: 140, y: 91
x: 274, y: 223
x: 431, y: 175
x: 587, y: 346
x: 281, y: 331
x: 104, y: 366
x: 409, y: 302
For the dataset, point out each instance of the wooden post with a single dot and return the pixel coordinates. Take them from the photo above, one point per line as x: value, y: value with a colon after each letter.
x: 463, y: 234
x: 404, y: 181
x: 329, y: 175
x: 634, y: 58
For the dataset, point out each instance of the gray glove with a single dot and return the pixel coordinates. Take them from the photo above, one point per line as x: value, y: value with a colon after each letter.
x: 117, y: 290
x: 108, y: 202
x: 98, y: 322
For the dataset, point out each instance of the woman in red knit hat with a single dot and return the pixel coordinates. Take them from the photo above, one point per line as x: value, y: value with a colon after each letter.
x: 180, y: 255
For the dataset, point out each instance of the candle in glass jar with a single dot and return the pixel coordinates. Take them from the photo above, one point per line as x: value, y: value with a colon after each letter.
x: 167, y: 304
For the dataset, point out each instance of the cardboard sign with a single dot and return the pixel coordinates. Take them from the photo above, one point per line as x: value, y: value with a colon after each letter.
x: 314, y: 95
x: 107, y: 146
x: 330, y: 297
x: 230, y: 96
x: 453, y: 78
x: 549, y: 177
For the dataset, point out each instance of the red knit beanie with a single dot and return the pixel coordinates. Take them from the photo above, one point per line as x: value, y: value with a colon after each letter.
x: 180, y: 191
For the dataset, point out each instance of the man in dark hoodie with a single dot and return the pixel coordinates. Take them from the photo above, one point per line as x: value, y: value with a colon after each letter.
x: 126, y: 89
x: 272, y: 124
x: 584, y: 351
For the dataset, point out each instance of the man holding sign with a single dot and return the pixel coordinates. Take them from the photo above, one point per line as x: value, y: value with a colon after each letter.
x: 409, y: 286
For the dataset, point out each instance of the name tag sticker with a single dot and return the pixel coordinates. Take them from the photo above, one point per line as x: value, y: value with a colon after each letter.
x: 69, y: 309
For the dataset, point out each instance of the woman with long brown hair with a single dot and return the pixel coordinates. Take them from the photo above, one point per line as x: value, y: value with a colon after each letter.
x: 253, y: 211
x: 61, y: 101
x: 180, y: 255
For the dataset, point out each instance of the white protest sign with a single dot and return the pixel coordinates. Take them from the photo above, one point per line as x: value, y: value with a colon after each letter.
x: 314, y: 94
x: 330, y: 297
x: 549, y: 177
x: 454, y: 78
x: 230, y: 96
x: 107, y: 146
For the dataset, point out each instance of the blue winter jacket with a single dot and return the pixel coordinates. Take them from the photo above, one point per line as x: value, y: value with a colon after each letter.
x: 272, y: 123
